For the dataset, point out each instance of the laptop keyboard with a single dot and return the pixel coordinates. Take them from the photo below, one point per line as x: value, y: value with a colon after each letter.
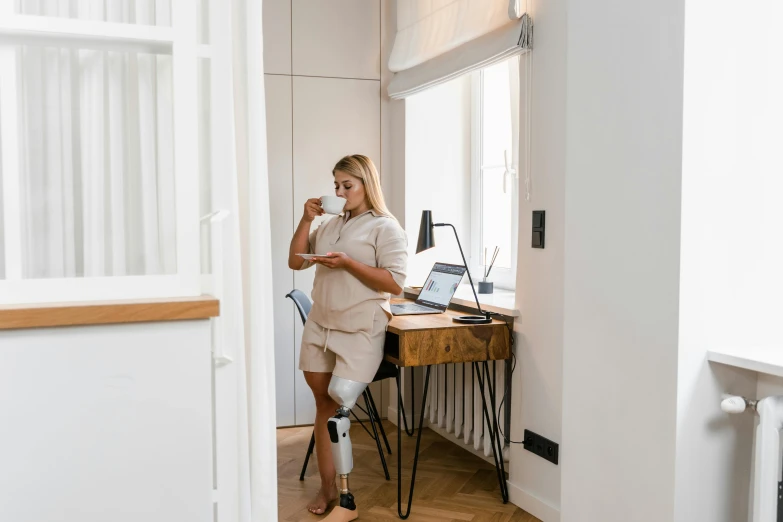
x: 413, y: 308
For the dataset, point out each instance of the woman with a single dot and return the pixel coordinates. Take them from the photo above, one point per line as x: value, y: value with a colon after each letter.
x: 365, y: 261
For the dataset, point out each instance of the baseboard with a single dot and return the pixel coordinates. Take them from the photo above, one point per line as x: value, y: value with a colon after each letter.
x: 533, y: 505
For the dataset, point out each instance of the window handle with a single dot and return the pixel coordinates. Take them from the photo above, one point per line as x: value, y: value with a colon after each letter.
x: 509, y: 170
x: 216, y: 222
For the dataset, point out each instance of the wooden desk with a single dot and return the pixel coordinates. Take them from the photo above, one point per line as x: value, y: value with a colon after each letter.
x: 421, y: 340
x: 425, y: 340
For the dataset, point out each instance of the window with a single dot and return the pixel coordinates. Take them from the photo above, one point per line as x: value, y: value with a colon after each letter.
x: 495, y: 196
x: 149, y: 12
x: 98, y: 181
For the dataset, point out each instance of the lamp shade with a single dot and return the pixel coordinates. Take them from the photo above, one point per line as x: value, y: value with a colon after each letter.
x: 426, y: 236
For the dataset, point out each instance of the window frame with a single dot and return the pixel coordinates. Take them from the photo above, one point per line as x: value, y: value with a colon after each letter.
x: 180, y: 41
x: 503, y: 278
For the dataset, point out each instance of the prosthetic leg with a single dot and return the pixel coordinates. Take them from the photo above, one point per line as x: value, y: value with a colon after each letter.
x: 345, y: 393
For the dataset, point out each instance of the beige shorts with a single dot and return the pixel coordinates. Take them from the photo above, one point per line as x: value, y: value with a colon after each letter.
x: 355, y: 356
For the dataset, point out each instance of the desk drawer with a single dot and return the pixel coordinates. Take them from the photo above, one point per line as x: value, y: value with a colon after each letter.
x: 453, y: 345
x: 391, y: 348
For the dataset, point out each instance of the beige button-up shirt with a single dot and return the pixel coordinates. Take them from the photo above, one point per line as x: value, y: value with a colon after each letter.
x: 340, y: 300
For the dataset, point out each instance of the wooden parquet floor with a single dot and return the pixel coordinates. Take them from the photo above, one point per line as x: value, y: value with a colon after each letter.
x: 451, y: 483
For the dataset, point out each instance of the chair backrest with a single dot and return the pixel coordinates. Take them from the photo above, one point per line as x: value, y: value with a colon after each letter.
x: 302, y: 303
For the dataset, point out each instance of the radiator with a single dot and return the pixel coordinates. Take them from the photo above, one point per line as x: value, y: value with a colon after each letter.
x: 767, y: 485
x: 454, y: 404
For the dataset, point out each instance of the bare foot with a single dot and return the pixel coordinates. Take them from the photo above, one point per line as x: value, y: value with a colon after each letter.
x: 322, y: 499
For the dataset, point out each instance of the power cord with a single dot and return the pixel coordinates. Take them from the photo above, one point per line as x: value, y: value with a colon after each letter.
x: 508, y: 381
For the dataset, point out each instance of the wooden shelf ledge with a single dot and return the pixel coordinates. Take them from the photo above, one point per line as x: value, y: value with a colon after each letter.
x: 46, y: 315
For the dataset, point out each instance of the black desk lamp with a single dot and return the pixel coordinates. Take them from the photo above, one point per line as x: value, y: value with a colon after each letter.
x: 427, y: 241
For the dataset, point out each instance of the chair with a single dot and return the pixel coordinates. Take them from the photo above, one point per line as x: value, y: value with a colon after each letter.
x: 386, y: 370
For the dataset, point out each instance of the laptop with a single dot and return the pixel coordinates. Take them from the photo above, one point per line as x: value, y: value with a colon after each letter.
x: 436, y: 294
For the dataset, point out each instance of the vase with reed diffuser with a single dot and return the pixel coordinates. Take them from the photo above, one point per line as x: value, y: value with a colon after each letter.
x: 488, y: 287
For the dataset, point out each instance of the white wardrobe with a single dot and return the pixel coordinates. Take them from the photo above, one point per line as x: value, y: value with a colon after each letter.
x: 322, y: 64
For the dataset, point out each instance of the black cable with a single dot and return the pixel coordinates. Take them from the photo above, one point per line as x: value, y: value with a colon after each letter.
x: 500, y: 406
x: 508, y: 382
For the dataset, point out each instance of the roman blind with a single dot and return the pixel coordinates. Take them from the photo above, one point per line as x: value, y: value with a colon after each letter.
x: 439, y: 40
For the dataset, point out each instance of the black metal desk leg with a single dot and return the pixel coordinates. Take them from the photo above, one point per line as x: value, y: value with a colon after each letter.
x: 379, y: 423
x: 497, y: 452
x: 492, y: 389
x: 410, y: 431
x: 415, y: 455
x: 376, y: 434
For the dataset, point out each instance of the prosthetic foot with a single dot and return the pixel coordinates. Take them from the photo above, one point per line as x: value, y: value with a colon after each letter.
x: 345, y: 393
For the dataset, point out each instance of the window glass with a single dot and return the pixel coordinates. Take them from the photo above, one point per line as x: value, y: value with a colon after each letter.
x: 205, y: 161
x: 497, y: 219
x: 140, y: 12
x: 497, y: 184
x: 96, y: 163
x: 496, y: 115
x: 202, y: 22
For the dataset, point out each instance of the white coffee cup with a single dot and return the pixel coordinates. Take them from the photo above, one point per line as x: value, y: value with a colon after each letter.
x: 333, y: 204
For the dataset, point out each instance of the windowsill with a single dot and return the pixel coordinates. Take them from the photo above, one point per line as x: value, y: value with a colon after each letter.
x: 767, y: 360
x: 500, y: 301
x: 46, y: 315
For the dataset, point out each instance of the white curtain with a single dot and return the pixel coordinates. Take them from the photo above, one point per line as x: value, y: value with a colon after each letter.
x: 523, y: 132
x: 250, y: 111
x: 97, y: 168
x: 240, y: 186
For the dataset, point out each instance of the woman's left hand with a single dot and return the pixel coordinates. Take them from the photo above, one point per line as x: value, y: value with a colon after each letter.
x: 334, y: 260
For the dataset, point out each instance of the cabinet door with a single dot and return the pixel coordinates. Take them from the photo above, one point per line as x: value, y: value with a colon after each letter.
x: 280, y: 156
x: 107, y: 423
x: 277, y: 36
x: 332, y: 118
x: 338, y: 38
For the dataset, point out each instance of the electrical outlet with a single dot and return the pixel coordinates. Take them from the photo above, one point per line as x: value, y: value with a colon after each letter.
x: 780, y: 501
x: 541, y: 446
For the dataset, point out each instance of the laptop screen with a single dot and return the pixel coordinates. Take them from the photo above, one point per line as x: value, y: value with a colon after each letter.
x: 441, y: 285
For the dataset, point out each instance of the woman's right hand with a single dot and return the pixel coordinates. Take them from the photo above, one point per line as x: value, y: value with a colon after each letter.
x: 312, y: 209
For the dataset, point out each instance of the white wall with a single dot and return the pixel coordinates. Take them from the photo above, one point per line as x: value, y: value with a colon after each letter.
x: 622, y: 230
x: 392, y: 122
x: 661, y: 242
x: 732, y: 249
x: 534, y: 483
x: 714, y: 450
x: 107, y: 423
x: 437, y: 173
x: 769, y: 385
x: 280, y: 158
x: 323, y: 95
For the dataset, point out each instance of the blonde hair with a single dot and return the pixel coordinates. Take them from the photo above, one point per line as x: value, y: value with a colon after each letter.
x: 362, y: 168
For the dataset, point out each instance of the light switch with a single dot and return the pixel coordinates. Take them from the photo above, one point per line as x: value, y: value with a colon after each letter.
x: 537, y: 243
x: 539, y: 222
